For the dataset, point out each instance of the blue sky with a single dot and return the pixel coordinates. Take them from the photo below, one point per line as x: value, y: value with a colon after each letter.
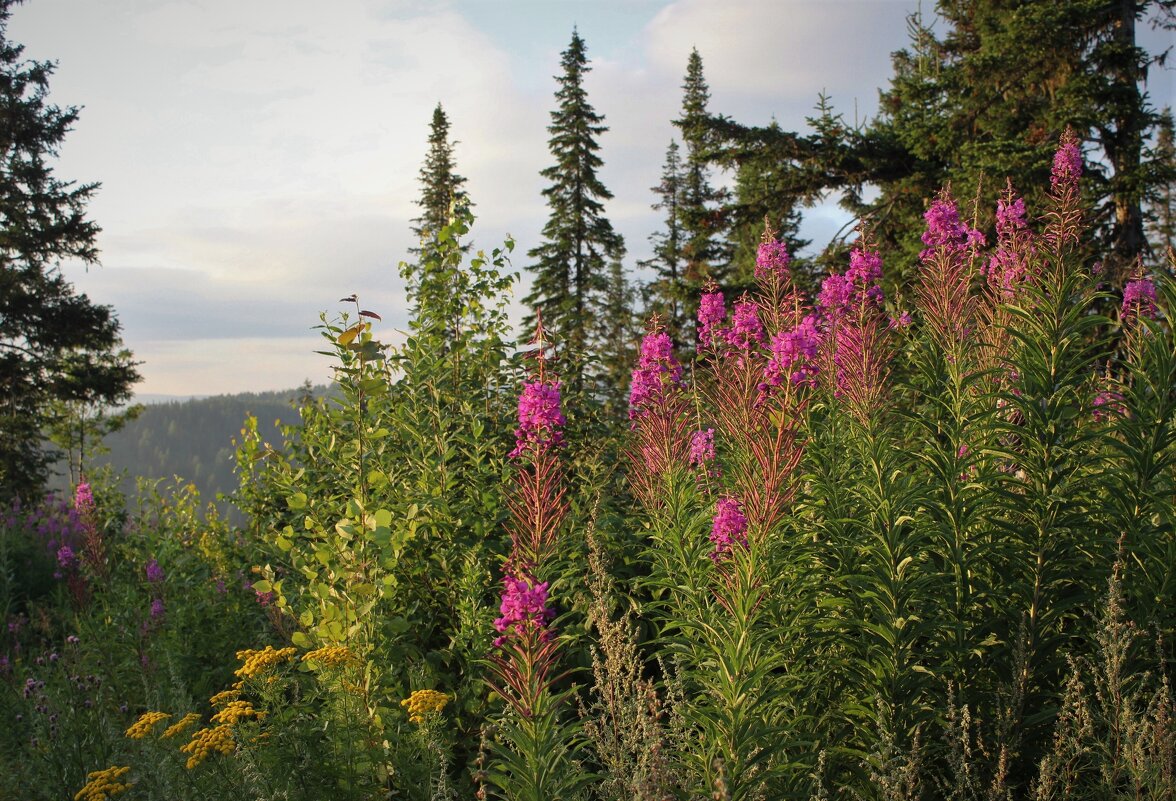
x: 258, y: 158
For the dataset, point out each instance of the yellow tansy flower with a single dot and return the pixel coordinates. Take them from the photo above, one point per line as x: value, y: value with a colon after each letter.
x: 142, y: 727
x: 225, y: 696
x: 236, y: 711
x: 329, y: 656
x: 103, y: 784
x: 209, y: 741
x: 257, y: 662
x: 181, y: 724
x: 422, y: 702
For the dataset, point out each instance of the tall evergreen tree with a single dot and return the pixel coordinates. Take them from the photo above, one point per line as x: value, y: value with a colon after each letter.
x: 1162, y: 206
x: 441, y: 186
x: 570, y: 268
x: 621, y: 337
x: 702, y: 220
x: 667, y: 292
x: 986, y: 92
x: 55, y: 344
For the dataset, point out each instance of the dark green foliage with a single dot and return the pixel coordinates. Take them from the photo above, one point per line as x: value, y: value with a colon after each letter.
x: 571, y: 265
x: 668, y: 295
x: 701, y: 218
x: 441, y: 186
x: 55, y: 345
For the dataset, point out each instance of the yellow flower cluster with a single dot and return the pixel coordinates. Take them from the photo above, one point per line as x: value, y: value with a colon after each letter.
x: 329, y: 655
x: 236, y: 711
x: 257, y: 662
x: 146, y: 722
x: 103, y: 784
x: 224, y: 696
x: 208, y: 741
x: 422, y: 702
x: 181, y: 724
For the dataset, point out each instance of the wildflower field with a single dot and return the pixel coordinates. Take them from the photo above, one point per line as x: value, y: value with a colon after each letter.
x: 848, y: 546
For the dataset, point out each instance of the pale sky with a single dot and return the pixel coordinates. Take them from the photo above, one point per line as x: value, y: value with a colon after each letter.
x: 259, y: 158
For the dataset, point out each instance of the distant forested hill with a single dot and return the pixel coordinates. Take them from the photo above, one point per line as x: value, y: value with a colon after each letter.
x: 193, y: 439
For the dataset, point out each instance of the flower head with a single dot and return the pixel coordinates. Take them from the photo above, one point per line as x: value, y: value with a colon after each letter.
x: 66, y: 556
x: 154, y: 571
x: 422, y: 703
x: 1010, y: 216
x: 746, y: 328
x: 729, y: 526
x: 157, y: 608
x: 540, y: 420
x: 1067, y: 164
x: 656, y: 376
x: 793, y: 356
x: 771, y: 260
x: 712, y: 312
x: 83, y: 497
x: 1139, y: 298
x: 702, y: 447
x: 523, y: 606
x: 945, y: 231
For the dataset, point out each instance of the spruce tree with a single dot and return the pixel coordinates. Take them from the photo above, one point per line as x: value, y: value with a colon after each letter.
x: 441, y: 186
x: 1161, y: 211
x: 986, y: 92
x: 667, y: 292
x: 571, y: 264
x: 702, y: 222
x: 55, y: 344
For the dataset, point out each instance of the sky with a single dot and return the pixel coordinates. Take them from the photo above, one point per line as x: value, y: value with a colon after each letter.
x: 258, y: 159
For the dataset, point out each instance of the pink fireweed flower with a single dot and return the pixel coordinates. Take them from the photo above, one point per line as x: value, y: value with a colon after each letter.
x: 154, y: 571
x: 729, y: 526
x: 1107, y: 405
x: 540, y: 419
x: 836, y: 292
x: 702, y: 447
x: 66, y: 556
x: 1139, y: 298
x: 903, y: 320
x: 1067, y: 165
x: 771, y: 260
x: 1010, y: 217
x: 657, y: 375
x: 83, y: 497
x: 712, y: 312
x: 746, y: 328
x: 523, y: 606
x: 945, y: 231
x: 157, y: 608
x: 793, y: 356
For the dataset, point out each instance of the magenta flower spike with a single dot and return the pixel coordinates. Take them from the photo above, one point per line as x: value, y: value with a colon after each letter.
x: 746, y: 332
x: 712, y: 314
x: 541, y: 421
x: 656, y: 377
x: 1139, y: 299
x: 729, y: 527
x: 523, y: 606
x: 771, y: 261
x: 1067, y: 164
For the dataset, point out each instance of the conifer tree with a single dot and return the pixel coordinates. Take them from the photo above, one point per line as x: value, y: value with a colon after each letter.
x: 441, y: 186
x: 621, y: 333
x: 55, y: 344
x: 667, y: 292
x: 1162, y: 208
x: 571, y: 264
x: 701, y: 222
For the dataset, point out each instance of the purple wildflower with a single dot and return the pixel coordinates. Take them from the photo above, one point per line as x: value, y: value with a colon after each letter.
x: 945, y: 231
x: 1010, y: 217
x: 1067, y: 165
x: 746, y: 328
x: 712, y: 311
x: 793, y: 356
x: 656, y: 376
x: 1108, y: 404
x: 157, y: 608
x: 903, y: 320
x: 66, y: 556
x: 154, y: 571
x: 83, y: 497
x: 522, y: 605
x: 729, y: 526
x: 836, y: 292
x: 540, y: 418
x: 1139, y: 298
x: 702, y: 447
x: 771, y: 260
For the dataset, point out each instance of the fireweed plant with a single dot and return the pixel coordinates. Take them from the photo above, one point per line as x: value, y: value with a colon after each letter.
x: 534, y: 741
